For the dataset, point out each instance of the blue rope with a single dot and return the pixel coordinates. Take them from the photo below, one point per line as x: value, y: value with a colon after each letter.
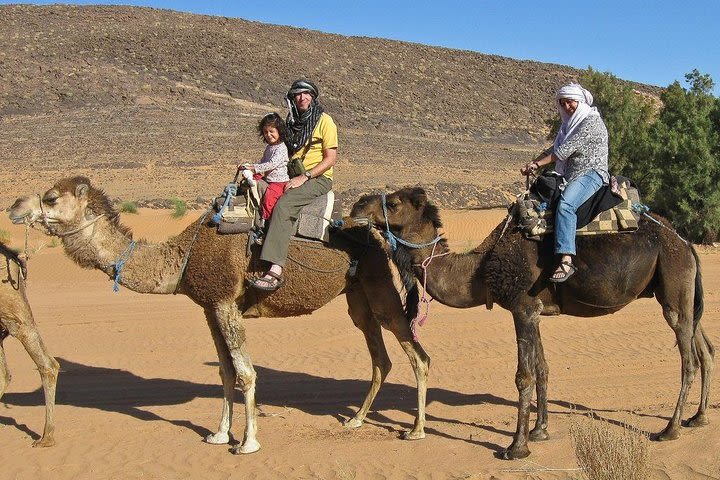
x: 394, y: 239
x: 230, y: 192
x: 120, y: 264
x: 643, y: 210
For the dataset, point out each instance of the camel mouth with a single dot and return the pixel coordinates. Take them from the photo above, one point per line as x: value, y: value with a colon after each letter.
x: 17, y: 218
x: 362, y: 221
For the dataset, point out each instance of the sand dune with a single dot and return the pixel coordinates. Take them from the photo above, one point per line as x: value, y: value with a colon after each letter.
x: 139, y: 387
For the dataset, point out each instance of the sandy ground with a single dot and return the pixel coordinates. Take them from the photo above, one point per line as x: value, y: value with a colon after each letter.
x: 139, y: 387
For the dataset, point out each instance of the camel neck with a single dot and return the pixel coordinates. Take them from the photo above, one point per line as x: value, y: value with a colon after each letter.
x: 145, y: 268
x: 445, y: 274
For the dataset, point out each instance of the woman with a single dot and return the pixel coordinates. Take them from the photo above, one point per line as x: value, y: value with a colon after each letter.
x: 580, y: 153
x: 313, y: 139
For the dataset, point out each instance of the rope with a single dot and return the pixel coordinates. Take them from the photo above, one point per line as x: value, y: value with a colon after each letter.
x: 420, y: 320
x: 120, y: 264
x: 643, y: 210
x: 192, y: 242
x: 298, y: 262
x: 394, y: 239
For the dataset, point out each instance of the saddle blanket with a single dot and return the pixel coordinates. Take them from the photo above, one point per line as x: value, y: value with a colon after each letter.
x: 536, y: 221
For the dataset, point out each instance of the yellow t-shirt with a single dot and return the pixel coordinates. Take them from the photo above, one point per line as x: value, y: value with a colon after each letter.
x: 324, y: 136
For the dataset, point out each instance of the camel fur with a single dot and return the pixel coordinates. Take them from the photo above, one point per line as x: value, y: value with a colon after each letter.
x: 613, y: 270
x: 216, y: 279
x: 16, y: 319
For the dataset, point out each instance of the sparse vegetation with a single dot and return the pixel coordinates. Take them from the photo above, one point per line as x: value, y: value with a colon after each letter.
x: 4, y: 236
x: 179, y: 207
x: 607, y: 452
x: 128, y: 207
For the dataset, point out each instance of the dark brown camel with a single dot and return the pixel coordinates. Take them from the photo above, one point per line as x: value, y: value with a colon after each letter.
x: 507, y: 269
x: 16, y: 319
x: 215, y: 278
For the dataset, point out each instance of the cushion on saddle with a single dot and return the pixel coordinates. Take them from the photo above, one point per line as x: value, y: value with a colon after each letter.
x: 315, y: 219
x: 608, y: 211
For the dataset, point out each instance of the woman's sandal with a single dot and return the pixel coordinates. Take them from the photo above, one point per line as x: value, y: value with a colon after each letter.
x: 564, y: 270
x: 270, y: 284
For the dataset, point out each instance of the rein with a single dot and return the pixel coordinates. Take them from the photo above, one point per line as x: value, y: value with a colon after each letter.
x: 420, y: 320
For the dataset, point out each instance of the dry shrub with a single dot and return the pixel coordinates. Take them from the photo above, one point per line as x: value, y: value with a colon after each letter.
x: 605, y: 452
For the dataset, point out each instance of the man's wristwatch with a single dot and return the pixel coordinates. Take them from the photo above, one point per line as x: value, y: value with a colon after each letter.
x: 308, y: 175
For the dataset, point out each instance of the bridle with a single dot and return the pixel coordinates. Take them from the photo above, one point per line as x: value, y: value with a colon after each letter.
x: 393, y: 239
x: 43, y: 220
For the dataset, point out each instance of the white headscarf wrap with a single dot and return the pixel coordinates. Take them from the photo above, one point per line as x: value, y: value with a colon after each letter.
x: 573, y: 91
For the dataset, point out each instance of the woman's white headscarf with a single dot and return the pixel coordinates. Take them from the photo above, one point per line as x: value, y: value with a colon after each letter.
x: 573, y: 91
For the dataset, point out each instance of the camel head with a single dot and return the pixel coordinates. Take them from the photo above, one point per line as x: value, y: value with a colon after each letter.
x: 407, y: 212
x: 68, y: 205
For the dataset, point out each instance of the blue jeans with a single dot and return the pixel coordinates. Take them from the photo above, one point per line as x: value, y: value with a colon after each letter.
x: 575, y: 194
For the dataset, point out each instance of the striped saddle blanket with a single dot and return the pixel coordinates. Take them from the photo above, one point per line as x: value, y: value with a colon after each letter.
x: 535, y: 220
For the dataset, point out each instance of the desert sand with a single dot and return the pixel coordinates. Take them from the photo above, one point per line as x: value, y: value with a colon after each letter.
x: 139, y: 388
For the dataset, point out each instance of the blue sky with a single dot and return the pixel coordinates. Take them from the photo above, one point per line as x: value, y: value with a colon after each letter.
x: 655, y: 42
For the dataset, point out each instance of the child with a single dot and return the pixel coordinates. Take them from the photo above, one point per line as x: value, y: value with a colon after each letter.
x: 273, y: 164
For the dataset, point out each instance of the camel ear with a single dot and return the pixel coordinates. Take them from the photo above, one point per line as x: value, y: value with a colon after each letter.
x: 82, y: 190
x: 418, y: 198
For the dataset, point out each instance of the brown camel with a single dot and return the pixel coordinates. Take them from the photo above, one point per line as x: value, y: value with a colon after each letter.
x: 215, y: 275
x: 16, y: 319
x: 507, y: 269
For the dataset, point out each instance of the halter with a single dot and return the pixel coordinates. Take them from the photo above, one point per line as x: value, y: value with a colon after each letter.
x: 394, y: 239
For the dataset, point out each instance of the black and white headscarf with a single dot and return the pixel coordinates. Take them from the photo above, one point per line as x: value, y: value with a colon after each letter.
x: 301, y: 126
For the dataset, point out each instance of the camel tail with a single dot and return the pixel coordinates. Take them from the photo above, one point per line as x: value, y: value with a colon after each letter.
x: 698, y: 301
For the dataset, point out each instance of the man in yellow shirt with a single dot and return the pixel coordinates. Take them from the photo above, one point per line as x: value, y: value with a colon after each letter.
x: 313, y: 139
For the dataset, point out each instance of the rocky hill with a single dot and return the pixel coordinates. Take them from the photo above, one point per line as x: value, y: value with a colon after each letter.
x: 154, y: 103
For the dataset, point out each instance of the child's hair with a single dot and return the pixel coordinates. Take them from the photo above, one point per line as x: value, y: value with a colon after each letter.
x: 273, y: 120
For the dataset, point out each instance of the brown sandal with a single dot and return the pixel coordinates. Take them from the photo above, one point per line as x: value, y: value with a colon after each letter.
x: 564, y: 270
x: 273, y: 283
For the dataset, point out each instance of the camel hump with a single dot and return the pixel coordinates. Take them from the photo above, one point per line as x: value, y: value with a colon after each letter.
x: 315, y: 219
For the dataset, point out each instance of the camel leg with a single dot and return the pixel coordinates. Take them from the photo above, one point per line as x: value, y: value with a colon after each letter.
x: 5, y: 376
x: 420, y: 362
x: 681, y: 323
x: 705, y: 357
x: 233, y: 332
x: 527, y: 335
x: 362, y: 317
x: 227, y: 375
x: 539, y: 432
x: 48, y: 368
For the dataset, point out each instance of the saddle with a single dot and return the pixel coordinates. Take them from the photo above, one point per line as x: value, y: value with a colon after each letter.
x: 238, y: 212
x: 609, y: 210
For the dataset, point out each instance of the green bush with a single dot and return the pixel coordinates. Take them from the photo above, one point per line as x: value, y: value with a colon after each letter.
x: 128, y: 207
x: 672, y: 152
x: 179, y: 207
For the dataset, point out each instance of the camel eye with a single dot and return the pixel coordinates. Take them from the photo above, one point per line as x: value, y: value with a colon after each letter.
x: 392, y: 205
x: 50, y: 199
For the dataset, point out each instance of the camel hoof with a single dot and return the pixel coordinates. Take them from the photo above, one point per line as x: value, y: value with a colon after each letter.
x: 413, y: 435
x: 515, y: 453
x: 697, y: 420
x: 670, y: 433
x: 353, y: 423
x: 219, y: 438
x: 44, y: 442
x: 538, y: 434
x: 246, y: 448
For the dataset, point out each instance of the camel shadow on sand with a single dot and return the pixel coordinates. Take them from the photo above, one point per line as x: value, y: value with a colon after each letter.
x: 121, y: 391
